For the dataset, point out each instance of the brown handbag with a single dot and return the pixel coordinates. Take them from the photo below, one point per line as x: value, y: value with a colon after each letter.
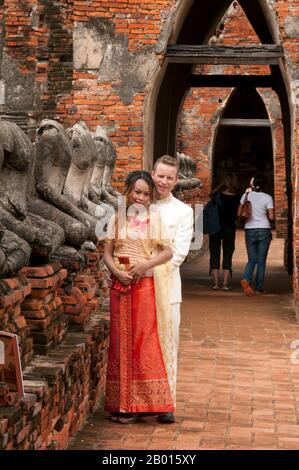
x: 245, y: 212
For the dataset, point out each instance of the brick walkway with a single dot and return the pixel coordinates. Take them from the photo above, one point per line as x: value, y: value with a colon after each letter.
x: 237, y: 388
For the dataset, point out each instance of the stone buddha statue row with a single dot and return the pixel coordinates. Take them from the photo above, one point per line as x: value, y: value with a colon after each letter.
x: 52, y: 196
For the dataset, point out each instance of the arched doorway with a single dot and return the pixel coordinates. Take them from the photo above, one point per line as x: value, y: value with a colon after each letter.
x: 244, y: 142
x: 189, y: 48
x: 196, y: 29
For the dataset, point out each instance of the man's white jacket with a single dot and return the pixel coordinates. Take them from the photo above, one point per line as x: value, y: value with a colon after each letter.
x: 177, y: 218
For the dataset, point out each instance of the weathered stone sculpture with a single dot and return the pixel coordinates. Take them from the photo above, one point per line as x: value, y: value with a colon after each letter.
x: 100, y: 188
x: 15, y: 175
x: 187, y: 171
x: 53, y: 160
x: 84, y: 156
x: 14, y: 252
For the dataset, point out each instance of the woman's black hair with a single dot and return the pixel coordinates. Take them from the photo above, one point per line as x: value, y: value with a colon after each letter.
x: 259, y: 182
x: 138, y: 175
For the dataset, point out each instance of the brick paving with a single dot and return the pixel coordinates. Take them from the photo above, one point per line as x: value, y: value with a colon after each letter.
x: 237, y: 387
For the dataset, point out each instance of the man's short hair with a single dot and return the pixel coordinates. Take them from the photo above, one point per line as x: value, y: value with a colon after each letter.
x: 167, y: 160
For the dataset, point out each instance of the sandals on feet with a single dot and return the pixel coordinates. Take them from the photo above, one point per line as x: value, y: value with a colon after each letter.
x: 215, y: 287
x: 226, y: 288
x: 124, y: 418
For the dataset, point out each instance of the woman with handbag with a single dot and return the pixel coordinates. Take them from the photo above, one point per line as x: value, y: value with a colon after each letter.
x: 257, y: 233
x: 227, y: 195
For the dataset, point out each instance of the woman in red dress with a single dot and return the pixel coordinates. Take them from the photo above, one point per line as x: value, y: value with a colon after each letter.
x: 140, y: 361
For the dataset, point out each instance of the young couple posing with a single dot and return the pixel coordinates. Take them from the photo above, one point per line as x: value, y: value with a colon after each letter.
x: 145, y: 295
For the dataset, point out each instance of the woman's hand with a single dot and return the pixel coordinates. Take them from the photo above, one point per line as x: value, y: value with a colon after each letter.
x: 138, y: 270
x: 123, y: 276
x: 109, y: 281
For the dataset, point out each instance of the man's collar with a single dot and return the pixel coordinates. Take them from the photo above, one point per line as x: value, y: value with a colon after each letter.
x: 166, y: 199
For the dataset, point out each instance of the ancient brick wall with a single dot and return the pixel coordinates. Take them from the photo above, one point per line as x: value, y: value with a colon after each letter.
x: 98, y: 60
x: 94, y: 60
x: 112, y: 74
x: 287, y: 16
x: 61, y: 389
x: 89, y: 60
x: 65, y: 379
x: 36, y: 58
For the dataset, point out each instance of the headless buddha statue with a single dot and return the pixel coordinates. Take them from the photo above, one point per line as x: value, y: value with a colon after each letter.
x: 100, y: 188
x: 53, y: 160
x: 15, y: 178
x: 84, y: 155
x: 14, y: 252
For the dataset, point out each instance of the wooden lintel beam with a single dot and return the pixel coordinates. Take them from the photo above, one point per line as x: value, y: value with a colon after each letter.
x: 245, y: 122
x: 265, y: 54
x: 232, y: 81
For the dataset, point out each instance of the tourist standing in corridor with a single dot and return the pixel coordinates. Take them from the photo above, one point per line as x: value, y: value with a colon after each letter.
x: 228, y: 194
x: 257, y: 235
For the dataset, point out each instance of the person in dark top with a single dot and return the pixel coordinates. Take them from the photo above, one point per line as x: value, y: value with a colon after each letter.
x: 228, y: 208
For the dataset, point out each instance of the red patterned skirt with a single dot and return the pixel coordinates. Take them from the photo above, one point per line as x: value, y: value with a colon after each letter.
x: 136, y: 376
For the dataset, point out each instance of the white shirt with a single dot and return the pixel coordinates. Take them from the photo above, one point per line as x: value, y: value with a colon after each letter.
x: 177, y: 218
x: 260, y: 203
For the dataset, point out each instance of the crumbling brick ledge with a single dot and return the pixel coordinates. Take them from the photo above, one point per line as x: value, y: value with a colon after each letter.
x: 61, y: 389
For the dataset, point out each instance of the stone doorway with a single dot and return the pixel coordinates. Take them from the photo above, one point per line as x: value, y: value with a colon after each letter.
x: 193, y: 60
x: 243, y: 144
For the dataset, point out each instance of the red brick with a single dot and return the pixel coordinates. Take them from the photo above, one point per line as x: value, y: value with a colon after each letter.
x: 20, y: 322
x: 7, y: 300
x: 36, y: 304
x: 43, y: 283
x: 38, y: 271
x: 41, y: 293
x: 38, y: 325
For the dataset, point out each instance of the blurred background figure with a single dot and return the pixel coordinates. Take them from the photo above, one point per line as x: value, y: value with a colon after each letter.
x: 257, y: 234
x: 228, y: 194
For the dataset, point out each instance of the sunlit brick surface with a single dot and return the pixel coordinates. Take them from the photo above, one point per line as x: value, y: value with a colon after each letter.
x: 237, y: 388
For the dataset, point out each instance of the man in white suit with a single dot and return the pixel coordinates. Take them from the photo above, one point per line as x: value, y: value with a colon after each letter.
x: 178, y: 220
